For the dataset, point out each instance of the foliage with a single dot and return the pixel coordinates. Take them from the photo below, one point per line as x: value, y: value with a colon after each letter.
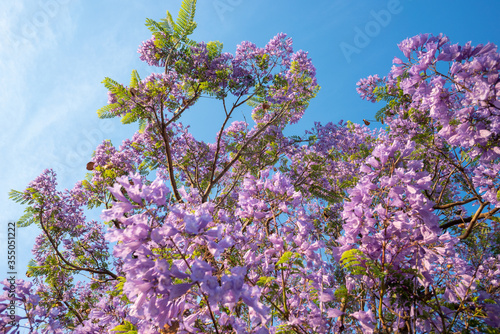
x: 343, y: 229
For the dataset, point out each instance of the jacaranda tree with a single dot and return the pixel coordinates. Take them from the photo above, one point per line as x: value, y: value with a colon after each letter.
x: 341, y: 230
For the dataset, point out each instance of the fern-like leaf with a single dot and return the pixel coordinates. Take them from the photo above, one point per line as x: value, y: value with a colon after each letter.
x: 134, y: 79
x: 116, y: 88
x: 34, y: 270
x: 255, y: 101
x: 327, y: 195
x: 18, y: 197
x: 168, y: 23
x: 110, y: 84
x: 185, y: 24
x: 108, y: 110
x: 156, y: 28
x: 129, y: 117
x: 27, y: 218
x: 350, y: 260
x: 142, y: 125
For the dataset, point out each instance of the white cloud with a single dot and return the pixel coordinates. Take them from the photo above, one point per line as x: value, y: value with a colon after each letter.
x: 28, y: 30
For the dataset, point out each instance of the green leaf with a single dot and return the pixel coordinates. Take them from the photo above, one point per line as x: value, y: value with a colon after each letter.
x: 156, y: 28
x: 107, y: 110
x: 169, y: 23
x: 350, y: 260
x: 264, y: 280
x: 27, y: 219
x: 122, y: 281
x: 110, y: 84
x: 18, y: 197
x: 34, y: 270
x: 285, y: 258
x: 341, y: 292
x: 134, y: 79
x: 126, y: 328
x: 129, y: 118
x: 142, y: 124
x: 185, y: 25
x: 214, y: 49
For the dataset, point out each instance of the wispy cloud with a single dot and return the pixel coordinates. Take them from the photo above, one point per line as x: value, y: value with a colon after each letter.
x: 28, y: 30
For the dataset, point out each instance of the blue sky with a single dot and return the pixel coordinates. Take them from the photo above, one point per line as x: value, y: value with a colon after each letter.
x: 55, y: 53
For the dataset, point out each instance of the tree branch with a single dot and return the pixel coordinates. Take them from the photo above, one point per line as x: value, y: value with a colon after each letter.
x: 239, y: 153
x: 217, y: 151
x: 168, y: 152
x: 468, y: 219
x: 71, y: 265
x: 450, y: 205
x: 473, y: 221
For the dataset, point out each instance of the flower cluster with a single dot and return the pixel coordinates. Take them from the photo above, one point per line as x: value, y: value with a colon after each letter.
x: 341, y: 230
x: 408, y: 216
